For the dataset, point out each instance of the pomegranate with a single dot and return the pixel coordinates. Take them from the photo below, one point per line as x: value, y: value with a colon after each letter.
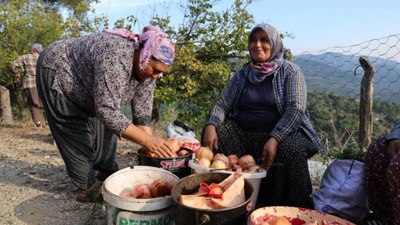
x: 246, y: 161
x: 141, y: 191
x: 212, y: 190
x: 204, y: 162
x: 204, y: 152
x: 253, y: 169
x: 173, y: 144
x: 280, y: 220
x: 183, y: 152
x: 218, y: 164
x: 263, y: 223
x: 146, y: 152
x: 160, y: 188
x: 222, y: 157
x: 233, y: 160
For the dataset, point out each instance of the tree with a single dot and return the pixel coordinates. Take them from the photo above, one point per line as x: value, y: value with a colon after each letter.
x: 210, y: 46
x: 25, y: 22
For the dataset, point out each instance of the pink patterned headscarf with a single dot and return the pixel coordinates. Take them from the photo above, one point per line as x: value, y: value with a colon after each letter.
x: 153, y: 42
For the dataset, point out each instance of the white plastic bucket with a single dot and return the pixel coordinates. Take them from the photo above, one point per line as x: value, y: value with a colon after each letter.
x: 117, y: 216
x: 122, y: 210
x: 253, y: 178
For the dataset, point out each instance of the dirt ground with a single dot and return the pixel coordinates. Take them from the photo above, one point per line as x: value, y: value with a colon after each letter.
x: 34, y: 186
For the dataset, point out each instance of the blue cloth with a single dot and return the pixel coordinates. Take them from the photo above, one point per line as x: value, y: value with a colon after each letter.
x: 343, y: 191
x: 395, y: 133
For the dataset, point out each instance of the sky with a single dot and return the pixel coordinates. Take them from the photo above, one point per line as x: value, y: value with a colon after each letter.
x: 316, y: 24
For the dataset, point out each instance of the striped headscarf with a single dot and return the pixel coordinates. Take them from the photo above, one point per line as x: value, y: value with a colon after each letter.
x: 152, y: 41
x: 261, y: 70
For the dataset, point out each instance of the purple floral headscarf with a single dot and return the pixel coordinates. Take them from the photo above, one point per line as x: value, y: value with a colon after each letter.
x: 261, y: 70
x: 154, y: 42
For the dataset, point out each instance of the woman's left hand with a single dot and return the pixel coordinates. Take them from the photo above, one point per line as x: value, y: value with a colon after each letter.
x: 270, y: 150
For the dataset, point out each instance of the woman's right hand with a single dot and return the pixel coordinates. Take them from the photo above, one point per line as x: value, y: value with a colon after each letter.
x: 159, y: 147
x: 210, y: 138
x: 270, y: 150
x: 144, y: 136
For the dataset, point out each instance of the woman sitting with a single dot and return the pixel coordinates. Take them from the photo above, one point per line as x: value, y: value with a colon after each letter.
x: 383, y: 176
x: 263, y: 112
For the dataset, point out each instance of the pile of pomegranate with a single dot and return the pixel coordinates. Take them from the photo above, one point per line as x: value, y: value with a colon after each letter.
x: 159, y: 188
x: 206, y: 158
x: 173, y: 144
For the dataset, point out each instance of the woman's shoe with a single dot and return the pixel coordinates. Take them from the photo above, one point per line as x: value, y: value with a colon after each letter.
x: 92, y: 194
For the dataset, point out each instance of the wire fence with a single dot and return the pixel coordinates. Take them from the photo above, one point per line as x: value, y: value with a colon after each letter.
x: 337, y: 69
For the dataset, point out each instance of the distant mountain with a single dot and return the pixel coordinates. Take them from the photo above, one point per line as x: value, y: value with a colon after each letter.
x: 335, y: 72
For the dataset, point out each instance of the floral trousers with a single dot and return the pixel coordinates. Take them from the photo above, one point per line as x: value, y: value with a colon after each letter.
x: 383, y: 182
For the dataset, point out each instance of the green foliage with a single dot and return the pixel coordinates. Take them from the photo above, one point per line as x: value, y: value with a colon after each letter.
x: 127, y: 23
x: 336, y: 120
x: 192, y: 86
x: 216, y: 35
x: 78, y: 7
x: 351, y: 151
x: 210, y: 45
x: 24, y: 22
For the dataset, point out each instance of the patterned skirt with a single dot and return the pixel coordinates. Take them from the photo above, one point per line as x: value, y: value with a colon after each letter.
x: 288, y: 183
x: 383, y: 182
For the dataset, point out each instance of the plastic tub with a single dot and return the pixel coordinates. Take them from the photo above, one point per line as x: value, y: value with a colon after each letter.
x: 294, y: 215
x: 253, y: 178
x: 176, y: 165
x: 141, y: 211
